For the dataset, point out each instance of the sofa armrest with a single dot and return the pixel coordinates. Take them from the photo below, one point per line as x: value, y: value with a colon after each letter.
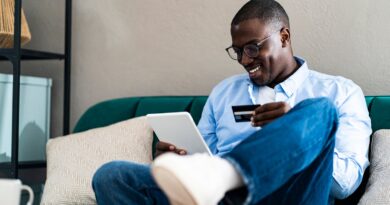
x: 378, y: 186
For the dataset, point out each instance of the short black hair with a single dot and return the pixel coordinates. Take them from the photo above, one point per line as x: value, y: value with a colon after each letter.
x: 268, y: 11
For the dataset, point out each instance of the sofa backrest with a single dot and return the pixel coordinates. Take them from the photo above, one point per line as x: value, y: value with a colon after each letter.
x: 379, y: 108
x: 112, y: 111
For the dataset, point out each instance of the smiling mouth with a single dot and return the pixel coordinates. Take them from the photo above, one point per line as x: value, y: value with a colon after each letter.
x: 254, y: 69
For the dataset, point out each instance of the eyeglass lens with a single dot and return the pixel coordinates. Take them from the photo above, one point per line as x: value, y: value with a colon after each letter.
x: 250, y: 50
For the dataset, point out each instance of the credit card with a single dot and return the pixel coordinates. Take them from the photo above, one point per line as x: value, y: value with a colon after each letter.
x: 243, y: 113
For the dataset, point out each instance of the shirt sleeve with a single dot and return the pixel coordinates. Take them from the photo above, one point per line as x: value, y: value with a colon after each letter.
x: 207, y: 126
x: 352, y: 142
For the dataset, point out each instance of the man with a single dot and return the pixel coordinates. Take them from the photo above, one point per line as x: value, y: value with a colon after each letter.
x: 306, y: 144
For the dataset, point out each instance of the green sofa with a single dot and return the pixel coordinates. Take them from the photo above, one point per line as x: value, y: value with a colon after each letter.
x: 112, y: 111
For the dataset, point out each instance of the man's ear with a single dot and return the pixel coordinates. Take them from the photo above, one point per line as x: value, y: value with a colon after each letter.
x: 285, y: 36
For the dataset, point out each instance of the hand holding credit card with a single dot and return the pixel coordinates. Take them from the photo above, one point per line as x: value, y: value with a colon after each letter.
x: 243, y: 113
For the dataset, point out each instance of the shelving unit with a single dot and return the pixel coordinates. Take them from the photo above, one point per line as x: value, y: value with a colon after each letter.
x: 15, y: 55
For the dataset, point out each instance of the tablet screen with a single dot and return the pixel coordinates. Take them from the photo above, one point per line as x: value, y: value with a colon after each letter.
x: 179, y: 129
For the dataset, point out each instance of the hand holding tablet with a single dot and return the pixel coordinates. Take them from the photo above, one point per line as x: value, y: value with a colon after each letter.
x: 164, y: 147
x: 178, y: 128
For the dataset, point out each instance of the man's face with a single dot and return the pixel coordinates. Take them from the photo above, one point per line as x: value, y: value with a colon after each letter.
x: 269, y: 66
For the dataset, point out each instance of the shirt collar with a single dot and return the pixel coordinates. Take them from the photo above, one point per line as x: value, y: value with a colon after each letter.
x: 289, y: 86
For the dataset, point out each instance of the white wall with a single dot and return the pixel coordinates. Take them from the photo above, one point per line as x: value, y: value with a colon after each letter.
x: 176, y: 47
x: 348, y: 38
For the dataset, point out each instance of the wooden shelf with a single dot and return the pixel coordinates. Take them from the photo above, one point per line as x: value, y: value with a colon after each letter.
x: 24, y: 165
x: 27, y: 54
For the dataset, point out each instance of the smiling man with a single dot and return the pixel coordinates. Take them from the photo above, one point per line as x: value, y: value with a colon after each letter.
x: 306, y: 144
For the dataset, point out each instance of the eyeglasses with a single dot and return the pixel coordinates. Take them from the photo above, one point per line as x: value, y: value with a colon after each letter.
x: 251, y: 50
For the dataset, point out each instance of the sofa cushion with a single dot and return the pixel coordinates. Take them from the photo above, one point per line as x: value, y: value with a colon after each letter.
x: 378, y: 187
x: 72, y: 160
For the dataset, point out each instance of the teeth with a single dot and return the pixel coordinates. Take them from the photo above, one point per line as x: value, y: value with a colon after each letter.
x: 255, y: 69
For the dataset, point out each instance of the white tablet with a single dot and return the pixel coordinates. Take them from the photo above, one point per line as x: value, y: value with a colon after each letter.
x: 179, y: 129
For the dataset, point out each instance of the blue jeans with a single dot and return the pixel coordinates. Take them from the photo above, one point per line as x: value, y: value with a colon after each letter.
x: 289, y: 161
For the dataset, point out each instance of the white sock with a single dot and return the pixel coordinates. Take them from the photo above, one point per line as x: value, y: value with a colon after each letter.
x: 231, y: 178
x: 195, y: 179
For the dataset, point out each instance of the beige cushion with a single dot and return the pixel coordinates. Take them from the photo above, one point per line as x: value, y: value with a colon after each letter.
x: 72, y: 160
x: 378, y: 187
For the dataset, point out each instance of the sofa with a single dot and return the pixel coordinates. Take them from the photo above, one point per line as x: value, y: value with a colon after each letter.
x: 117, y: 110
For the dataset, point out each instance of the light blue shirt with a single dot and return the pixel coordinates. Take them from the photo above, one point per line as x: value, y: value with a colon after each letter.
x: 222, y: 133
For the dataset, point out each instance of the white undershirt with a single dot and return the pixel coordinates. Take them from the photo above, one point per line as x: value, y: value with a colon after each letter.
x: 266, y: 95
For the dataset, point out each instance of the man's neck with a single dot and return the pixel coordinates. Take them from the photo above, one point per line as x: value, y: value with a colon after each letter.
x: 291, y: 67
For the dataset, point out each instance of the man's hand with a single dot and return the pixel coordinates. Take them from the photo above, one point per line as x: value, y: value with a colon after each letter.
x: 163, y: 147
x: 269, y: 112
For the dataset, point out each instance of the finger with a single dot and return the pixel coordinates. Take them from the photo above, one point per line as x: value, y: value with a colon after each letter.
x: 159, y: 152
x: 164, y: 146
x: 269, y: 106
x: 268, y: 115
x: 181, y: 151
x: 262, y: 123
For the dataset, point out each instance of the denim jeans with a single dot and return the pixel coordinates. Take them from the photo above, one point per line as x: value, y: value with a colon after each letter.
x: 289, y: 161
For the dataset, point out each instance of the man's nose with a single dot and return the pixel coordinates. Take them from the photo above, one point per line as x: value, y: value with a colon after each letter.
x: 245, y: 60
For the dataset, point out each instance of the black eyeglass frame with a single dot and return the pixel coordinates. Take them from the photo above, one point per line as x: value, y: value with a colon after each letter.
x: 241, y: 51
